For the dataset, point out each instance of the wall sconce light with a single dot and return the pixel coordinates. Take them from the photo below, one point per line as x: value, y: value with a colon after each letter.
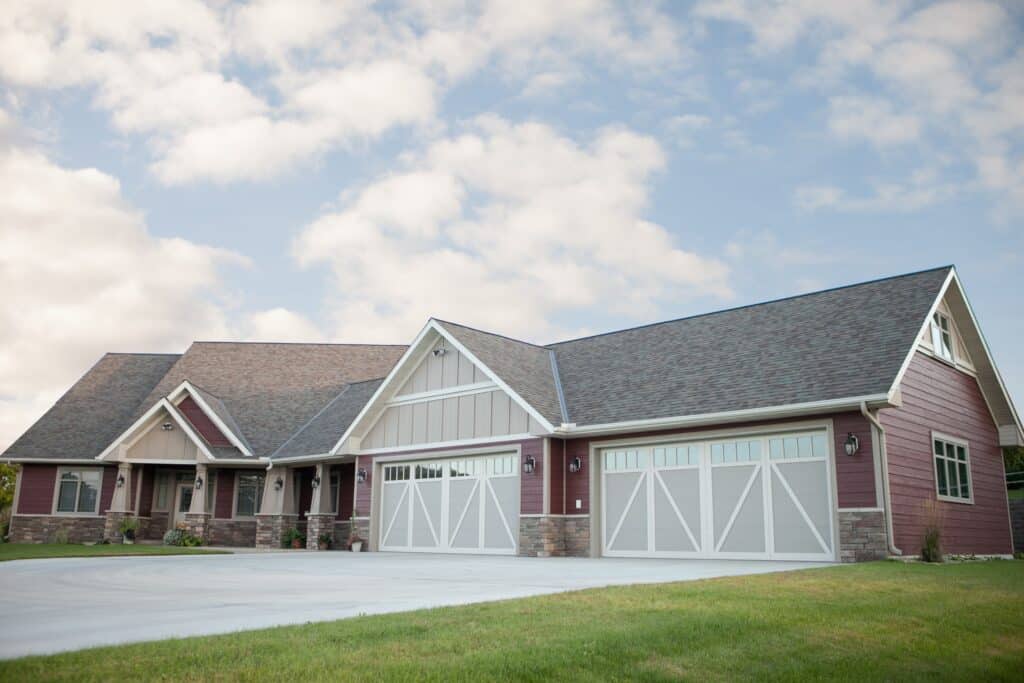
x: 120, y: 480
x: 316, y: 481
x: 167, y: 426
x: 576, y: 464
x: 199, y: 483
x: 852, y: 444
x: 361, y: 475
x: 529, y: 464
x: 439, y: 352
x: 278, y: 484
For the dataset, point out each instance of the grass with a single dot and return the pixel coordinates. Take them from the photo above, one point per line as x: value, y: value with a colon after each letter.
x: 1015, y: 494
x: 36, y: 551
x: 885, y: 620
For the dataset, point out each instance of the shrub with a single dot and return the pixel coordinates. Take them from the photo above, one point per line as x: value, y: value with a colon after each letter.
x: 5, y: 529
x: 173, y: 537
x: 292, y: 534
x: 61, y: 536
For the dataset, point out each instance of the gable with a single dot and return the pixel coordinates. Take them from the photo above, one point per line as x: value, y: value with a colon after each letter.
x: 158, y: 443
x: 202, y: 423
x: 961, y: 355
x: 446, y: 398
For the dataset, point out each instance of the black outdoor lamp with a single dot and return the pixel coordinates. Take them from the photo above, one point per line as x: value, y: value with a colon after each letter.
x: 529, y: 464
x: 852, y: 444
x: 278, y: 484
x: 576, y: 464
x: 199, y: 483
x: 361, y: 475
x: 316, y: 481
x: 120, y: 480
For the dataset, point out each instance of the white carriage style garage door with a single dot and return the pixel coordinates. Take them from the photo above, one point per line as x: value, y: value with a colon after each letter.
x: 467, y: 505
x: 764, y: 497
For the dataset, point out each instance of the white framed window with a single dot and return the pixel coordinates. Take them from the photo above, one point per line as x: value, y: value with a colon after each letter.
x: 429, y: 470
x: 396, y: 473
x: 952, y: 469
x: 78, y: 491
x: 942, y: 336
x: 799, y: 446
x: 729, y: 452
x: 249, y: 496
x: 335, y: 479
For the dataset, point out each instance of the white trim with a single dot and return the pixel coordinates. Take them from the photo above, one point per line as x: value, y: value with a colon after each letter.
x: 17, y: 492
x: 954, y: 441
x: 210, y: 413
x: 769, y: 412
x: 860, y: 510
x: 172, y: 410
x: 447, y: 392
x: 925, y: 325
x: 62, y: 515
x: 445, y: 444
x: 545, y: 504
x: 52, y: 461
x: 717, y: 434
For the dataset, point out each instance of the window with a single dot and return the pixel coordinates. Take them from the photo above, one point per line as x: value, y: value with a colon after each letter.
x: 676, y: 456
x: 432, y: 470
x: 163, y: 490
x: 736, y: 451
x: 942, y: 337
x: 250, y: 494
x: 952, y: 470
x: 79, y: 491
x: 335, y: 488
x: 396, y: 473
x: 797, y: 447
x: 625, y: 460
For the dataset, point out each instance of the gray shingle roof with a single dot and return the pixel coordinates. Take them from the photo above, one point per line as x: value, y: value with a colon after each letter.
x: 524, y: 367
x: 95, y: 410
x: 840, y: 343
x: 319, y: 435
x: 272, y: 389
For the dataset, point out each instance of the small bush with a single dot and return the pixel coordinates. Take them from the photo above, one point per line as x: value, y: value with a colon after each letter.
x: 1018, y: 556
x: 292, y: 534
x: 931, y: 551
x: 5, y: 529
x: 173, y: 537
x: 61, y: 537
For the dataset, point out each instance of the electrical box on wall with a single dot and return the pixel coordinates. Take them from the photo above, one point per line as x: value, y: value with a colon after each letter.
x: 579, y: 504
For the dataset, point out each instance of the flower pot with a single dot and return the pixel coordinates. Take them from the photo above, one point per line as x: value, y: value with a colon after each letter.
x: 127, y: 541
x: 324, y: 546
x: 357, y: 546
x: 298, y: 544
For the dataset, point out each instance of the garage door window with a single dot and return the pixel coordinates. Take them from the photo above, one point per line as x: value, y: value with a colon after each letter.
x: 793, y: 448
x: 396, y: 473
x: 676, y: 456
x: 735, y: 451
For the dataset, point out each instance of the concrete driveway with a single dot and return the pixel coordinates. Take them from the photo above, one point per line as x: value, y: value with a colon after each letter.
x: 68, y: 604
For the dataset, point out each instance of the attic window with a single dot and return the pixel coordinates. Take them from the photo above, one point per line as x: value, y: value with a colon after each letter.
x: 942, y: 337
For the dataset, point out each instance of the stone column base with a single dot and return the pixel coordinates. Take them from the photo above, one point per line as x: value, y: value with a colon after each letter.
x: 317, y: 524
x: 112, y: 525
x: 197, y: 524
x: 862, y: 536
x: 554, y: 536
x: 270, y: 529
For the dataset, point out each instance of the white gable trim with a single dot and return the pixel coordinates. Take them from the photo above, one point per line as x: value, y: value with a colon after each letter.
x: 188, y: 387
x: 148, y: 416
x: 416, y: 352
x: 950, y: 279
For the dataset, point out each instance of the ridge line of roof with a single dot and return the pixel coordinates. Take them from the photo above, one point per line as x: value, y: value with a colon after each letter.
x: 753, y: 305
x: 310, y: 420
x: 493, y: 334
x: 283, y: 343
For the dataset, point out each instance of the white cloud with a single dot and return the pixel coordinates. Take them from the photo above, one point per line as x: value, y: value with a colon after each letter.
x: 229, y: 92
x: 280, y: 325
x: 872, y: 119
x: 507, y: 227
x: 684, y: 128
x: 923, y: 189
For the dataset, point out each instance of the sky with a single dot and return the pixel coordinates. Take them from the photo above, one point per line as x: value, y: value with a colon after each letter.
x: 342, y: 171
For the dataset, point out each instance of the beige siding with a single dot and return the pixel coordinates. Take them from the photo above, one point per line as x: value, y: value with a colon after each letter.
x: 158, y: 444
x: 442, y: 372
x: 461, y: 418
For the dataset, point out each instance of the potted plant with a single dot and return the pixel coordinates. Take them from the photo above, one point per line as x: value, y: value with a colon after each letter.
x: 128, y: 527
x: 323, y: 541
x: 355, y: 543
x: 293, y: 538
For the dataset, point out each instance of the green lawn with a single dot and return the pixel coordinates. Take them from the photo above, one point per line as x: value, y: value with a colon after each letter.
x: 35, y: 551
x: 884, y: 620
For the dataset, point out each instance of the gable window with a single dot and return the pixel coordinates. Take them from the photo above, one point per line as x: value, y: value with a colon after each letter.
x: 250, y: 494
x: 78, y: 491
x: 942, y: 336
x: 952, y: 470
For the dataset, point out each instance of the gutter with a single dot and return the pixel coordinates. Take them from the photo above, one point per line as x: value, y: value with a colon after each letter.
x: 886, y: 492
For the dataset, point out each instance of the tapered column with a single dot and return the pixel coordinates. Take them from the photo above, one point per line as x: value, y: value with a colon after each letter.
x: 279, y: 512
x: 320, y: 516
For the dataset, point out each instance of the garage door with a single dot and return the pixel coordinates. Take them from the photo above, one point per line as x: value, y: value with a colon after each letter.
x: 468, y: 505
x: 754, y: 498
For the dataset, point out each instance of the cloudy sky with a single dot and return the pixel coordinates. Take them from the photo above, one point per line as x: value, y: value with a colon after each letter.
x: 341, y: 171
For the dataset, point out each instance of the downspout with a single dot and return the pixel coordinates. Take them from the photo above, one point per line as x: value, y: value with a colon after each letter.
x: 886, y: 494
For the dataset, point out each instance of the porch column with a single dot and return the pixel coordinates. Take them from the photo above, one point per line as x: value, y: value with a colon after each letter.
x: 120, y: 502
x: 320, y: 517
x: 279, y: 511
x: 198, y: 517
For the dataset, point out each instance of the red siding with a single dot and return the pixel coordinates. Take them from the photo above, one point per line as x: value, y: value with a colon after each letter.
x: 107, y: 493
x: 531, y: 486
x: 203, y: 424
x: 145, y: 475
x: 306, y: 475
x: 940, y: 398
x: 557, y: 476
x: 346, y: 482
x: 577, y: 484
x: 224, y: 503
x: 36, y: 494
x: 855, y: 475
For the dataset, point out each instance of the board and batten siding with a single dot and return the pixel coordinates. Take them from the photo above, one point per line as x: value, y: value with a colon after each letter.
x: 160, y: 444
x: 940, y: 398
x: 481, y: 414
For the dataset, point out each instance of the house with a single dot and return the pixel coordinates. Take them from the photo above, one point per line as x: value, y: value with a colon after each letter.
x: 828, y: 426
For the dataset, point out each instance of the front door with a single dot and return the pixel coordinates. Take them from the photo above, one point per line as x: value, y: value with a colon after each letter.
x: 182, y: 503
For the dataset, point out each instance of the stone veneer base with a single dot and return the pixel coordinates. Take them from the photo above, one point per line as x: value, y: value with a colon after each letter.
x: 862, y: 536
x: 232, y: 533
x: 554, y: 536
x: 317, y: 524
x: 43, y: 529
x: 270, y: 529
